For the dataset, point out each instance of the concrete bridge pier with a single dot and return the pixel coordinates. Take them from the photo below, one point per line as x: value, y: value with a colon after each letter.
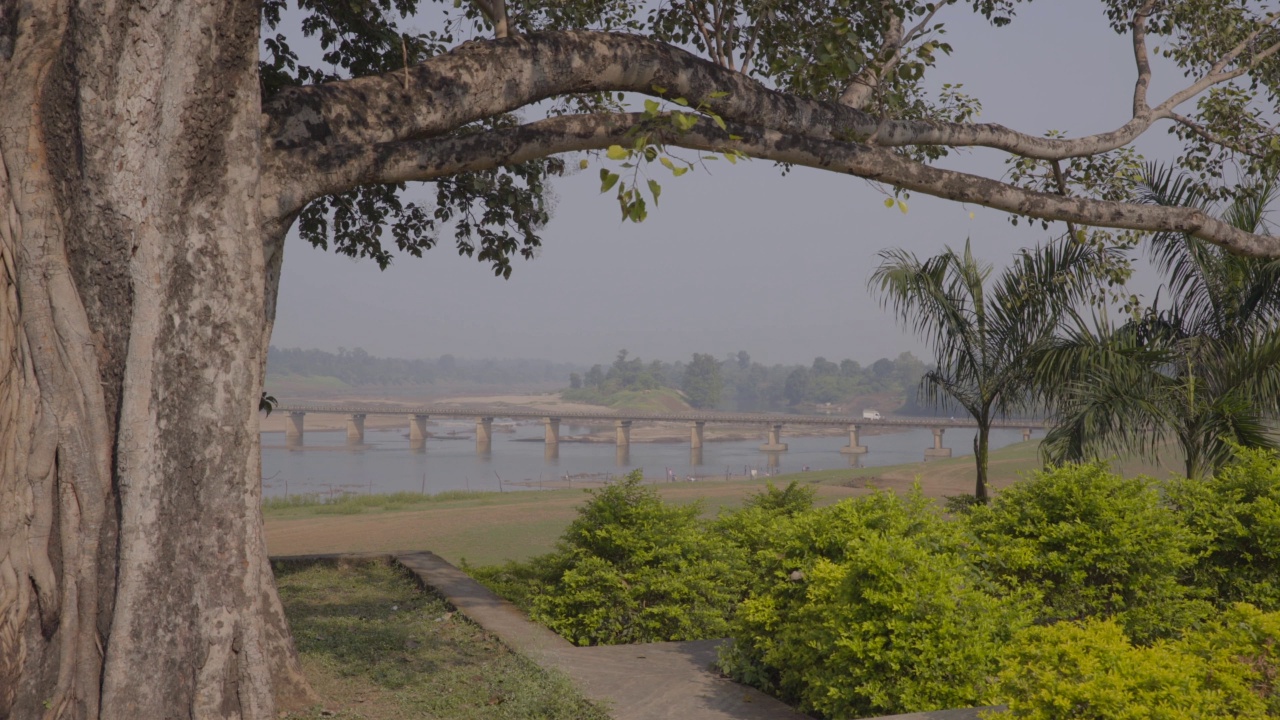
x: 622, y: 433
x: 695, y: 457
x: 622, y: 456
x: 696, y: 434
x: 551, y: 453
x: 775, y: 444
x: 418, y: 432
x: 773, y: 460
x: 937, y: 451
x: 552, y: 434
x: 1026, y: 434
x: 484, y: 435
x: 853, y: 448
x: 293, y: 432
x: 355, y: 429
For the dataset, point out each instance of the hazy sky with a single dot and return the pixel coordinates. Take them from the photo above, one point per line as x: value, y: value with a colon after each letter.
x: 737, y: 259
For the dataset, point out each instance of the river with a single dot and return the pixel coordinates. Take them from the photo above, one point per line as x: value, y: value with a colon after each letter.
x: 518, y: 461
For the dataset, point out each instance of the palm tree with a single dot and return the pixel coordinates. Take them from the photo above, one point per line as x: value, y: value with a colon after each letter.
x: 1203, y: 371
x: 983, y: 340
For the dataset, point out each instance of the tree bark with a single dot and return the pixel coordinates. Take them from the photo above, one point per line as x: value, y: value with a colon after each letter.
x: 981, y: 443
x: 133, y: 574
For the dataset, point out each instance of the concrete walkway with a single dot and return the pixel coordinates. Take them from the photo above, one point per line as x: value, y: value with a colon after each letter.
x: 655, y: 681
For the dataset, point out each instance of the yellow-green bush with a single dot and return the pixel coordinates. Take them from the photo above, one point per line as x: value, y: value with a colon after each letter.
x: 869, y: 607
x: 1091, y: 671
x: 633, y: 569
x: 1235, y: 519
x: 1092, y: 544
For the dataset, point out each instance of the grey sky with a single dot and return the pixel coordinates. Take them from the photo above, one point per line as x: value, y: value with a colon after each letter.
x: 739, y: 258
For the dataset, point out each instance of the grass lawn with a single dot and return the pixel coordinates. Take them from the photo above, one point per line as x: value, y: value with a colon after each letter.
x: 374, y: 645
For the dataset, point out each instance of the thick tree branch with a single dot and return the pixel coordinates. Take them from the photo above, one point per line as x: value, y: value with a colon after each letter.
x: 483, y: 79
x: 425, y: 159
x: 308, y: 175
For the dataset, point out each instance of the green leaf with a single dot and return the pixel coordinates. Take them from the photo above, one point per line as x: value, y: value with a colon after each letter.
x: 888, y: 202
x: 666, y: 162
x: 617, y: 152
x: 656, y: 189
x: 719, y: 121
x: 678, y: 171
x: 582, y: 164
x: 719, y: 94
x: 733, y: 160
x: 651, y: 107
x: 659, y: 89
x: 681, y: 101
x: 608, y: 180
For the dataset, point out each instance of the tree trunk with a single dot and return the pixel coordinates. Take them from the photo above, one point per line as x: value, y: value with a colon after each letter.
x: 133, y: 326
x: 980, y: 444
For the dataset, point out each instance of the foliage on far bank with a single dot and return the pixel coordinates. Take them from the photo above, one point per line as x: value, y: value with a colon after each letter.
x: 740, y: 384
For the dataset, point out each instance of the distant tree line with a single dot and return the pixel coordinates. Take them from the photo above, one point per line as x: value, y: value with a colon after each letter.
x: 357, y: 367
x: 739, y: 383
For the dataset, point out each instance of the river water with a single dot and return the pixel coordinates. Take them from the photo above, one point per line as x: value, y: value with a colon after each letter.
x: 518, y: 461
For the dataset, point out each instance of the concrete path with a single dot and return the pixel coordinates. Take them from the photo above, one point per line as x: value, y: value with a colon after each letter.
x: 655, y: 681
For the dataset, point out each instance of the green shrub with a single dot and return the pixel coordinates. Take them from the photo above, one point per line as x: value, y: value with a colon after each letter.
x: 633, y: 569
x: 1236, y: 521
x: 791, y: 500
x: 1092, y: 544
x: 756, y: 526
x: 1091, y: 671
x: 869, y: 607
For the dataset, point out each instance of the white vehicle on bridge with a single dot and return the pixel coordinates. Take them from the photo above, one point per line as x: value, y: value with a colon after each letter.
x: 871, y: 414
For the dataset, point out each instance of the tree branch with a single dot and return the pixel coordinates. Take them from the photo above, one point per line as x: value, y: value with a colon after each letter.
x: 864, y: 84
x: 496, y: 12
x: 861, y: 88
x: 1209, y: 137
x: 1141, y: 59
x: 485, y: 78
x: 342, y: 167
x: 700, y: 22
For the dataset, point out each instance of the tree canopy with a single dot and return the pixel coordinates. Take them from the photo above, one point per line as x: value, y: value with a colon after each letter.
x: 834, y: 85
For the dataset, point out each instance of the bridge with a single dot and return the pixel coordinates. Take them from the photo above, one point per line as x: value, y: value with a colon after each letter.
x: 623, y: 421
